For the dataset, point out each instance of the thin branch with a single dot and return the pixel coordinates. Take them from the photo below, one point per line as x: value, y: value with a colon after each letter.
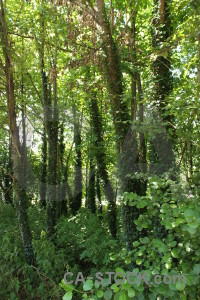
x: 132, y: 14
x: 35, y: 88
x: 16, y: 22
x: 123, y: 13
x: 92, y: 7
x: 86, y: 10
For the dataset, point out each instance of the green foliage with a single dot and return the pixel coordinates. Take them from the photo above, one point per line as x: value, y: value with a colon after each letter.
x: 17, y: 279
x: 85, y: 239
x: 169, y: 246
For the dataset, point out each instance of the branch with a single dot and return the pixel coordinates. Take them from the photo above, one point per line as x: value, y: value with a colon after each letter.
x: 123, y: 13
x: 132, y: 14
x: 92, y: 7
x: 88, y: 11
x: 16, y: 22
x: 37, y: 92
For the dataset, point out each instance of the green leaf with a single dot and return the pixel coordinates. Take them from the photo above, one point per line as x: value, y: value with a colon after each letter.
x: 172, y: 244
x: 88, y: 285
x: 174, y: 253
x: 144, y: 240
x: 160, y: 245
x: 108, y: 295
x: 132, y: 196
x: 190, y: 213
x: 164, y: 272
x: 67, y: 287
x: 141, y: 204
x: 105, y: 282
x: 67, y: 296
x: 99, y: 294
x: 131, y: 293
x: 136, y: 243
x: 123, y: 295
x: 138, y: 261
x: 120, y: 270
x: 113, y: 257
x: 180, y: 286
x: 196, y: 269
x: 115, y: 288
x: 192, y: 230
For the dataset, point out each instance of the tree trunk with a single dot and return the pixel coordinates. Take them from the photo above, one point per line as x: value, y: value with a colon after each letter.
x: 162, y: 143
x: 126, y: 137
x: 53, y: 149
x: 100, y: 154
x: 43, y: 179
x: 91, y: 188
x: 77, y: 199
x: 18, y: 158
x: 63, y: 183
x: 51, y: 126
x: 98, y: 190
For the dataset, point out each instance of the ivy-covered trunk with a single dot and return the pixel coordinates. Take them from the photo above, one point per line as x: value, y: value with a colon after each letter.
x: 6, y: 177
x: 197, y: 14
x: 18, y: 158
x: 98, y: 192
x: 64, y: 187
x: 100, y: 153
x: 77, y: 198
x: 163, y: 82
x: 51, y: 124
x: 91, y: 188
x: 126, y: 137
x: 52, y: 177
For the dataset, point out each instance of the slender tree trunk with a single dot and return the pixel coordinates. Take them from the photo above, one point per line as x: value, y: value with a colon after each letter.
x: 63, y: 186
x: 98, y: 190
x: 7, y: 177
x: 47, y: 118
x: 91, y: 188
x: 197, y: 11
x: 86, y: 176
x: 18, y: 158
x: 53, y: 148
x: 134, y: 75
x: 51, y: 125
x: 143, y: 150
x: 43, y: 178
x: 77, y: 199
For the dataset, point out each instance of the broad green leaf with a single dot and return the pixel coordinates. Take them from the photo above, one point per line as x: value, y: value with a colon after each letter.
x: 108, y: 295
x: 100, y: 294
x: 131, y: 293
x: 88, y: 285
x: 67, y: 296
x: 196, y: 269
x: 180, y: 286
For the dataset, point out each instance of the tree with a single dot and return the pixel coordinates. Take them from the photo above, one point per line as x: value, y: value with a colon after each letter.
x: 18, y: 158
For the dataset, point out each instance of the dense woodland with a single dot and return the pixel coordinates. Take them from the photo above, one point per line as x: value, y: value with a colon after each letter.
x: 99, y: 147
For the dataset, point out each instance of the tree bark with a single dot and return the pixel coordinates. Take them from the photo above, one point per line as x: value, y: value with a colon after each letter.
x: 77, y: 199
x: 18, y: 158
x: 100, y: 154
x: 163, y: 143
x: 126, y: 138
x: 91, y: 188
x: 43, y: 178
